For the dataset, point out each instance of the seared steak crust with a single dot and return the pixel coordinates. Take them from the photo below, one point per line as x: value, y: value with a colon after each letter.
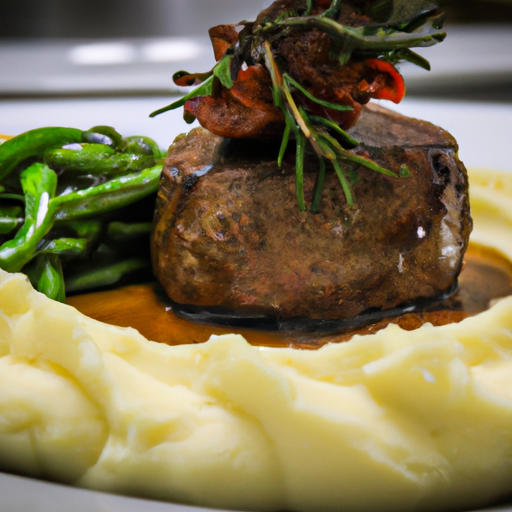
x: 228, y: 232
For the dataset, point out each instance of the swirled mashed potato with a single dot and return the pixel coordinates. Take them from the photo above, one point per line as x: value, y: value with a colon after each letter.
x: 396, y: 421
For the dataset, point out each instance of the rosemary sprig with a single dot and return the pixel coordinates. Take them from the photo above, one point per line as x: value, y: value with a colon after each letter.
x: 299, y: 169
x: 336, y: 127
x: 291, y: 82
x: 312, y: 128
x: 204, y: 89
x: 221, y: 71
x: 333, y: 11
x: 357, y: 38
x: 391, y: 42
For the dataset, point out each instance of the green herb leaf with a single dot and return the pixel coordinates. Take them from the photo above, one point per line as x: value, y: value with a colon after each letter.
x: 333, y: 11
x: 387, y: 39
x: 46, y: 276
x: 65, y: 247
x: 205, y: 89
x: 10, y: 218
x: 290, y: 81
x: 284, y: 144
x: 406, y: 54
x: 186, y: 79
x: 404, y: 171
x: 336, y: 127
x: 309, y: 7
x: 345, y: 185
x: 395, y: 12
x: 222, y: 71
x: 299, y: 171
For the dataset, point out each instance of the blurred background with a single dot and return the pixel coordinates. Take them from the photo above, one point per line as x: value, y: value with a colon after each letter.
x: 155, y: 18
x: 132, y: 47
x: 119, y: 18
x: 86, y: 62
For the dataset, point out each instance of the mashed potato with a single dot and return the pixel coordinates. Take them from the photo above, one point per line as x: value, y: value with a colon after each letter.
x: 396, y: 421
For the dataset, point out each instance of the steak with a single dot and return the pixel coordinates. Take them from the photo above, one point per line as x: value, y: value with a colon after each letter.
x: 228, y: 234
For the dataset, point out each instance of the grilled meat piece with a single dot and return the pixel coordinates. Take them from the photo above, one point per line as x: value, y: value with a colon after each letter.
x: 228, y: 232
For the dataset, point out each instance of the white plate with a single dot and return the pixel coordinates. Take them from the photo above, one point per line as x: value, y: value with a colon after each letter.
x: 483, y: 132
x: 20, y: 494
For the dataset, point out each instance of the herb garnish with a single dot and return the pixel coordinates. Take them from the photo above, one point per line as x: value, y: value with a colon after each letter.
x: 385, y: 40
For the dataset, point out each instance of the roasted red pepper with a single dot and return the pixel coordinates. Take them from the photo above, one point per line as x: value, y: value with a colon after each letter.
x: 392, y: 88
x: 245, y: 110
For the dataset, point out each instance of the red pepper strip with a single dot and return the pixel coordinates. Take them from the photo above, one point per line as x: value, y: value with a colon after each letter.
x: 225, y: 116
x: 253, y: 88
x: 185, y: 79
x: 245, y: 110
x: 394, y: 88
x: 222, y: 38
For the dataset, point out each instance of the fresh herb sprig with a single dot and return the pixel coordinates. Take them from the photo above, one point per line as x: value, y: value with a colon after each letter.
x: 314, y: 129
x: 391, y: 42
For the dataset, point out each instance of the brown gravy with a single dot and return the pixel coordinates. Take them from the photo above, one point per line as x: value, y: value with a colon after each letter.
x: 486, y: 276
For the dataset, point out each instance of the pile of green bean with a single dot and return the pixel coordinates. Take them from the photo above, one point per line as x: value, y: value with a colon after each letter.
x: 76, y: 207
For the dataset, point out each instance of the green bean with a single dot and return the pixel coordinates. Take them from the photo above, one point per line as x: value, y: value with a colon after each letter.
x: 129, y: 238
x: 39, y: 183
x: 97, y: 138
x: 47, y: 277
x: 15, y: 197
x: 140, y: 145
x: 118, y: 231
x: 9, y: 224
x: 113, y: 194
x: 82, y: 157
x: 33, y: 143
x: 116, y: 139
x: 96, y: 159
x: 96, y: 276
x: 65, y: 247
x: 74, y: 239
x: 86, y: 228
x: 10, y: 218
x: 45, y: 231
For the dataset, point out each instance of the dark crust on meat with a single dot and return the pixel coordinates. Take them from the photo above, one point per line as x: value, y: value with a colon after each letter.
x: 228, y: 232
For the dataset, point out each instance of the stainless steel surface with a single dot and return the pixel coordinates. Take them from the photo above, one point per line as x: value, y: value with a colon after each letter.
x: 119, y: 18
x: 472, y: 58
x: 473, y: 63
x: 105, y: 67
